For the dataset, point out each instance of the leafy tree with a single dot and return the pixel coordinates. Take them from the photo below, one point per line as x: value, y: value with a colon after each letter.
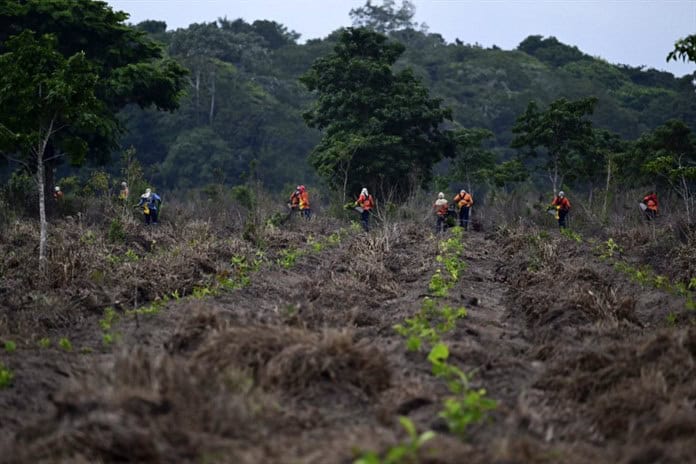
x: 385, y: 123
x: 385, y: 18
x: 562, y: 131
x: 129, y: 65
x: 196, y: 158
x: 670, y: 153
x: 551, y: 51
x: 67, y: 67
x: 42, y: 93
x: 684, y: 49
x: 472, y: 159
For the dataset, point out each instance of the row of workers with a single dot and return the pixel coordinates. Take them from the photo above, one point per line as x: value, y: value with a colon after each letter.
x: 299, y: 201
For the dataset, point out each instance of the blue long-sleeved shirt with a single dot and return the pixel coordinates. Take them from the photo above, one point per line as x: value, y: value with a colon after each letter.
x: 152, y: 201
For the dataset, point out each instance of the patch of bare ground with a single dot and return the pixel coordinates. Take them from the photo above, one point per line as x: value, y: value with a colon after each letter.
x: 303, y: 363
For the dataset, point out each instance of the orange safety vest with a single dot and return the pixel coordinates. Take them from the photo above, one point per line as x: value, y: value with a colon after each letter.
x: 304, y: 200
x: 562, y: 203
x: 294, y: 199
x: 464, y: 200
x: 366, y: 202
x: 441, y: 209
x: 651, y: 202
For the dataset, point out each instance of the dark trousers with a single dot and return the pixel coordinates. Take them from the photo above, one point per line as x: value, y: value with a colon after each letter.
x: 464, y: 217
x: 650, y: 214
x: 306, y: 213
x: 151, y: 217
x: 562, y: 218
x: 365, y: 220
x: 440, y: 224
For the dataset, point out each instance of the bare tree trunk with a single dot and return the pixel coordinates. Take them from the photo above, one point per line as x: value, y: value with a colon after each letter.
x: 687, y: 199
x: 198, y: 93
x: 553, y: 176
x: 606, y: 191
x: 212, y: 98
x: 40, y: 180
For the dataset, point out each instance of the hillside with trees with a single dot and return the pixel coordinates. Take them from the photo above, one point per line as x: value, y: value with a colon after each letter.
x: 243, y: 113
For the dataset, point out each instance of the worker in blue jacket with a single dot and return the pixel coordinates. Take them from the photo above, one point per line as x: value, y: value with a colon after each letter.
x: 150, y: 203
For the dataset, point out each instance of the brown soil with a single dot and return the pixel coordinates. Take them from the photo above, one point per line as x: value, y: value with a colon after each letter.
x: 303, y: 365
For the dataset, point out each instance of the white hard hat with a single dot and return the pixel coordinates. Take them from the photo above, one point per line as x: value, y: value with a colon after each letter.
x: 441, y: 195
x: 363, y: 191
x: 57, y: 188
x: 561, y: 193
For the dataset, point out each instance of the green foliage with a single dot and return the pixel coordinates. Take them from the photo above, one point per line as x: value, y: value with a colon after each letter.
x: 402, y: 453
x: 551, y: 51
x: 288, y: 257
x: 386, y: 17
x: 6, y: 376
x: 244, y: 196
x: 64, y: 344
x: 108, y: 319
x: 684, y: 49
x: 116, y: 232
x: 378, y: 126
x: 199, y: 293
x: 242, y: 269
x: 44, y: 342
x: 10, y: 346
x: 439, y: 286
x: 609, y: 249
x: 560, y: 131
x: 471, y: 408
x: 572, y: 235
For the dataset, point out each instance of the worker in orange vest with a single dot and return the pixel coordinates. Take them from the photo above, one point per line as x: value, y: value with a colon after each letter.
x: 305, y: 210
x: 464, y: 201
x: 440, y: 207
x: 365, y: 202
x: 562, y: 206
x: 650, y: 202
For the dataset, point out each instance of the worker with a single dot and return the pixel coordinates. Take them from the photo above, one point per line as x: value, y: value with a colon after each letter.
x: 562, y: 206
x: 650, y: 206
x: 441, y: 206
x: 464, y: 202
x: 365, y: 203
x: 123, y: 194
x: 57, y: 193
x: 150, y: 203
x: 294, y: 203
x: 305, y: 210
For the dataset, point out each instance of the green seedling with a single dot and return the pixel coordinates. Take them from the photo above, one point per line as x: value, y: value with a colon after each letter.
x: 334, y: 239
x: 65, y: 344
x: 288, y: 257
x: 110, y: 317
x: 672, y: 319
x: 44, y: 342
x: 571, y: 234
x: 402, y: 453
x: 470, y: 408
x: 438, y: 286
x: 10, y: 346
x: 6, y: 376
x: 201, y: 292
x: 131, y: 255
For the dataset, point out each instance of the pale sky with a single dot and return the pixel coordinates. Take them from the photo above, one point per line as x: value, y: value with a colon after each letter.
x: 628, y: 32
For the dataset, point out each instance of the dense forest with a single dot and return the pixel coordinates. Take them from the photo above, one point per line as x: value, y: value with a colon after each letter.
x: 241, y: 115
